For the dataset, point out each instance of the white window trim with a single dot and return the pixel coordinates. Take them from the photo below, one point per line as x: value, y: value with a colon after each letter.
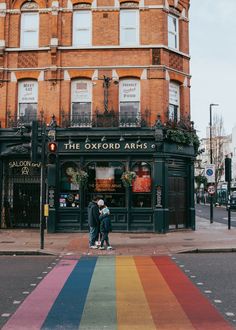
x: 137, y: 41
x: 23, y: 31
x: 175, y: 33
x: 175, y: 105
x: 89, y: 43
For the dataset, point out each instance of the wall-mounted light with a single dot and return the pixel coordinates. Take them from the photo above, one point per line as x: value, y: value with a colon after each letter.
x: 103, y: 139
x: 139, y: 140
x: 122, y: 139
x: 87, y: 140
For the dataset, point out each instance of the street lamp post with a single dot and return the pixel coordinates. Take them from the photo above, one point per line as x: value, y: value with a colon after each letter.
x: 211, y: 158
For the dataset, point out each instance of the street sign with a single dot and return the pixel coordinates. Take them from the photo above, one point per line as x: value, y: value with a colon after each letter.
x: 211, y: 190
x: 210, y: 173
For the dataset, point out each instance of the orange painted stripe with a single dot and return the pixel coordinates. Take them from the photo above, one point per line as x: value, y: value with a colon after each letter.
x: 132, y: 307
x: 166, y: 311
x: 196, y: 306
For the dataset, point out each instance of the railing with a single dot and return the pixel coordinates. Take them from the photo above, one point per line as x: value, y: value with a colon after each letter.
x: 106, y: 119
x: 18, y: 121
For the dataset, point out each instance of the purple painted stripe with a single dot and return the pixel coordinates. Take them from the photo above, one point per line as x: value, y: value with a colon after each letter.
x: 34, y: 310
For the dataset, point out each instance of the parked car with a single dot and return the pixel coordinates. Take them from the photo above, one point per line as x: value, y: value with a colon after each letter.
x: 232, y: 202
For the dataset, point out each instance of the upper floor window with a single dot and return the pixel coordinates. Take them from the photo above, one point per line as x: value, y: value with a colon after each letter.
x: 129, y: 27
x: 29, y: 29
x: 81, y: 101
x: 173, y: 32
x: 27, y: 100
x: 82, y: 28
x: 174, y: 101
x: 129, y: 92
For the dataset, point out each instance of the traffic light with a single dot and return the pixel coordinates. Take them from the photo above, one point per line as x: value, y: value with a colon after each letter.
x: 228, y: 172
x: 34, y: 142
x: 52, y: 152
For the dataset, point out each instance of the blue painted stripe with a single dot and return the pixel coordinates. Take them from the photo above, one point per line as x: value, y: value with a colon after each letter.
x: 67, y: 310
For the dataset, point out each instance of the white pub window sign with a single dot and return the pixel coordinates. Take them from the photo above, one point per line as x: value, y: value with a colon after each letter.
x: 174, y: 94
x: 28, y: 92
x: 81, y: 91
x: 129, y: 91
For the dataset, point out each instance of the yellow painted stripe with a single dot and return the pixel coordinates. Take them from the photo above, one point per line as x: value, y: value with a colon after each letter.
x: 132, y: 308
x: 166, y: 310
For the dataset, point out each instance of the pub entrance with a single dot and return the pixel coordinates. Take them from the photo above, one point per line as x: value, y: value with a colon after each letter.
x: 21, y: 202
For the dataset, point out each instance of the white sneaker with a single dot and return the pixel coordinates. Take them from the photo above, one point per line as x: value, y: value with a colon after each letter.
x: 109, y: 248
x: 101, y: 248
x: 93, y: 247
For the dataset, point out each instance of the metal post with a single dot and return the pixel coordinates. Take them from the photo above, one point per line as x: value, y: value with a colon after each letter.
x: 229, y: 209
x: 211, y: 159
x: 42, y: 187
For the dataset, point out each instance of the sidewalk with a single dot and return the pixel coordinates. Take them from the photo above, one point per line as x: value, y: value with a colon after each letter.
x: 206, y: 237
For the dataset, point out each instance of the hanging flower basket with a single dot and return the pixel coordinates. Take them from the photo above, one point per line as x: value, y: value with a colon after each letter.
x: 79, y: 177
x: 127, y: 178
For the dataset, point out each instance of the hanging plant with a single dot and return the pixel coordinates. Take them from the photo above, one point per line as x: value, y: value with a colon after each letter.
x: 127, y: 178
x: 79, y: 177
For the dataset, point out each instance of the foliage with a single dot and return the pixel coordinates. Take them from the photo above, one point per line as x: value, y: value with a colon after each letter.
x: 79, y: 177
x: 127, y: 178
x: 201, y: 179
x: 179, y: 135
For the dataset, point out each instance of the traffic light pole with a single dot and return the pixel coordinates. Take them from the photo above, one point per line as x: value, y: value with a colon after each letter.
x: 42, y: 187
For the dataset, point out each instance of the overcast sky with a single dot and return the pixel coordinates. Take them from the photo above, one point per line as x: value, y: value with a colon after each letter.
x: 213, y: 61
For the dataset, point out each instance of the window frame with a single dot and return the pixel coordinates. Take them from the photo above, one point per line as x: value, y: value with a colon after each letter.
x: 81, y: 121
x: 134, y: 122
x: 21, y: 101
x: 174, y: 105
x: 174, y: 33
x: 125, y: 27
x: 76, y: 30
x: 23, y: 30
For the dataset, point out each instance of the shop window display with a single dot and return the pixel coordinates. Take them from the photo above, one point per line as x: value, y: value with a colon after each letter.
x: 104, y: 179
x: 69, y: 195
x: 142, y: 187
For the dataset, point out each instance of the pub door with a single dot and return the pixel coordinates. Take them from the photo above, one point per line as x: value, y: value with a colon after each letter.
x: 26, y: 204
x: 177, y: 202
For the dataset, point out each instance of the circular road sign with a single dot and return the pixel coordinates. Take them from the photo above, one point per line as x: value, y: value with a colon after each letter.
x: 209, y: 172
x: 211, y: 190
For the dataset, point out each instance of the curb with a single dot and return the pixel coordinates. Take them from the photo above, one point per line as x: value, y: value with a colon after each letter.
x: 27, y: 253
x: 216, y: 250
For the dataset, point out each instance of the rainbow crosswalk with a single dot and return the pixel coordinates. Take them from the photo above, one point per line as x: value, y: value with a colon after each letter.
x: 116, y: 292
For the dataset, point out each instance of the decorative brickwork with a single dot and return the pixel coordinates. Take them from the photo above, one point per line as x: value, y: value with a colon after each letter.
x: 156, y: 57
x: 27, y: 60
x: 176, y: 61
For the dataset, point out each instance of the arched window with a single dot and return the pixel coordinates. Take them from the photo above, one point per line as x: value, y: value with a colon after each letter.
x: 82, y: 28
x: 104, y: 178
x: 174, y: 101
x: 142, y: 185
x: 29, y: 37
x: 173, y: 32
x: 81, y: 102
x: 27, y: 100
x: 129, y: 94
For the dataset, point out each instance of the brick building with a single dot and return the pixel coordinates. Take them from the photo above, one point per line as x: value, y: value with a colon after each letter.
x: 111, y: 80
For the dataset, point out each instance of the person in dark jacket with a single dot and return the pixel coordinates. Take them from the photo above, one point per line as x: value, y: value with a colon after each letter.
x: 93, y: 221
x: 105, y: 225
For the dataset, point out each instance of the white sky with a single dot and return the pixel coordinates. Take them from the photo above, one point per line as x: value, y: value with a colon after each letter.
x: 213, y: 61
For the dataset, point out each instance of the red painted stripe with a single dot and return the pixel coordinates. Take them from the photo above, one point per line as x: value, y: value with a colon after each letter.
x: 199, y: 310
x: 33, y: 311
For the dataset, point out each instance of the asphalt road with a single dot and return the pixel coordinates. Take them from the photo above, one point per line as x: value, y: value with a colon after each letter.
x: 220, y: 214
x: 18, y: 277
x: 214, y: 275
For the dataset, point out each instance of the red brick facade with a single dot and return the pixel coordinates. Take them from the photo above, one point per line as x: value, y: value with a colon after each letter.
x: 55, y: 63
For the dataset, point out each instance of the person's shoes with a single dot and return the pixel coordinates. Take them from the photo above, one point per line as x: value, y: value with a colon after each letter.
x: 93, y: 247
x: 109, y: 248
x: 101, y: 248
x: 97, y: 243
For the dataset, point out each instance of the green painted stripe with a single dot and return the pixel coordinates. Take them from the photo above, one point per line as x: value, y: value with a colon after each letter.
x: 101, y: 314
